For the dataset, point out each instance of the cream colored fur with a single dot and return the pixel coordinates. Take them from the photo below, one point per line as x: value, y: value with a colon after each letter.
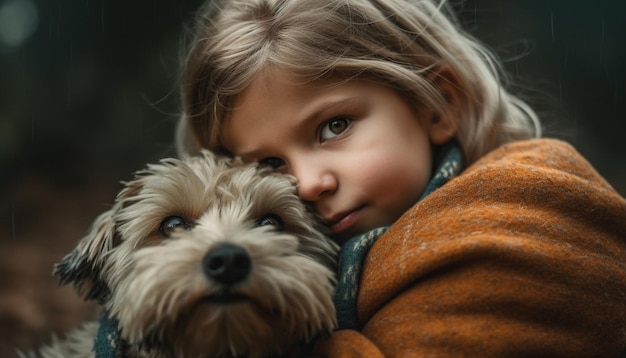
x: 158, y: 287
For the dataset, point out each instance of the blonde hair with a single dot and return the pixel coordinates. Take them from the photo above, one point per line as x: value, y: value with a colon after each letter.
x: 399, y: 43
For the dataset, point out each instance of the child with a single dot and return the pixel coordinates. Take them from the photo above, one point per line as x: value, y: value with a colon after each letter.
x: 462, y: 233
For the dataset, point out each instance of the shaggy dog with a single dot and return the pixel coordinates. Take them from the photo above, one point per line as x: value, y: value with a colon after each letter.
x: 202, y: 257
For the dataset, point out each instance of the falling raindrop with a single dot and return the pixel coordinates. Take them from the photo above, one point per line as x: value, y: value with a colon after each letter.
x: 603, y: 30
x: 552, y: 25
x: 69, y: 91
x: 602, y: 33
x: 560, y: 89
x: 13, y: 219
x: 615, y: 97
x: 50, y: 27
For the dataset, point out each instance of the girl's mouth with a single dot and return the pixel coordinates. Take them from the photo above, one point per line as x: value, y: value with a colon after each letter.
x: 345, y: 221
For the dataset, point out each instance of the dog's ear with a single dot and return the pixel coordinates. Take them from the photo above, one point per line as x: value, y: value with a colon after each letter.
x: 82, y: 266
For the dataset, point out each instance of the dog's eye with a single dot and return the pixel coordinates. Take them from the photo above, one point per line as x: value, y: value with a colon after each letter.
x: 272, y: 219
x: 172, y: 223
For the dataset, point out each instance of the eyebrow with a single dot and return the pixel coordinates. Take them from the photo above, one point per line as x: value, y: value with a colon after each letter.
x: 328, y: 106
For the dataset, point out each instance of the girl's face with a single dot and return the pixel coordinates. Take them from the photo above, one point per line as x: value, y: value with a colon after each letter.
x: 361, y: 155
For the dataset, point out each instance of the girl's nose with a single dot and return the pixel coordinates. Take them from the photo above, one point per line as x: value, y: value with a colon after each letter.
x: 314, y: 181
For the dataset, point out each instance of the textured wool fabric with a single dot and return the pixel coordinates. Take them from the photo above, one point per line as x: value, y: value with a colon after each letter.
x: 522, y: 255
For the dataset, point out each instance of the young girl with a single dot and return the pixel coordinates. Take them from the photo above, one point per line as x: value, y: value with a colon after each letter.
x: 462, y: 233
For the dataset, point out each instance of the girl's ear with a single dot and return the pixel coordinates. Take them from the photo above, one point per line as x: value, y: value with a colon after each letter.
x: 443, y: 127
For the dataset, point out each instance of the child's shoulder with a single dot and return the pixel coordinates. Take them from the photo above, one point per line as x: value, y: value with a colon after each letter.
x: 537, y: 159
x: 532, y: 151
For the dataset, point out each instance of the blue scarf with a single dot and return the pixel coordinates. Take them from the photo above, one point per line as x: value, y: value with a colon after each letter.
x: 449, y: 163
x: 108, y: 343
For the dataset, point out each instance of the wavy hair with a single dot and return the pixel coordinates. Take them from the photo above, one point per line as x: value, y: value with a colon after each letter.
x: 398, y: 43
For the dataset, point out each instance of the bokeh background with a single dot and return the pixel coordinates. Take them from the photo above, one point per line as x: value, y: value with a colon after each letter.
x: 88, y: 95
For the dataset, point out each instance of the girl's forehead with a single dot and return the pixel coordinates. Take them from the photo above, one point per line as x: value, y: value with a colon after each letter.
x: 277, y: 104
x: 279, y: 88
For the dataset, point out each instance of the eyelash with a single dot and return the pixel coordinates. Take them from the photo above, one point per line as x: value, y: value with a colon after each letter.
x: 272, y: 162
x: 275, y: 162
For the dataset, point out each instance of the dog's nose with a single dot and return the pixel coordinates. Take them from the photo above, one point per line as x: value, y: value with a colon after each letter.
x: 227, y: 264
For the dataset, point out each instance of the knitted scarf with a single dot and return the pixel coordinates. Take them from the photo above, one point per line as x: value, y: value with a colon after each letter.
x: 448, y: 163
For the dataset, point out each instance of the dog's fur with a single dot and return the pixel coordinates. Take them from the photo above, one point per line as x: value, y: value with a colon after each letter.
x: 204, y: 257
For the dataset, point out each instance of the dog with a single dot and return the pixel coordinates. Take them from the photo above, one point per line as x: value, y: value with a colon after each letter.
x: 202, y: 257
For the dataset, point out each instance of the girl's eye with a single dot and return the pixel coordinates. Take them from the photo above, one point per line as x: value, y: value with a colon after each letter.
x: 334, y: 128
x: 171, y: 224
x: 272, y: 162
x: 273, y: 220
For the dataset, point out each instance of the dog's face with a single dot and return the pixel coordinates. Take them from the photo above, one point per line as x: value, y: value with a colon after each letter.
x: 208, y: 257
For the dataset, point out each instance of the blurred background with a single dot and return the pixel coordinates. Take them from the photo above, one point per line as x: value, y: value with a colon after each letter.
x: 88, y: 95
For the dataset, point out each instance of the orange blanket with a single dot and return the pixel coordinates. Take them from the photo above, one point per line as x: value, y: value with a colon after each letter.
x: 524, y: 254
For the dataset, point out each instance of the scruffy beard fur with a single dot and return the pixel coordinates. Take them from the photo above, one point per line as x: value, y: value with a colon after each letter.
x: 204, y: 257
